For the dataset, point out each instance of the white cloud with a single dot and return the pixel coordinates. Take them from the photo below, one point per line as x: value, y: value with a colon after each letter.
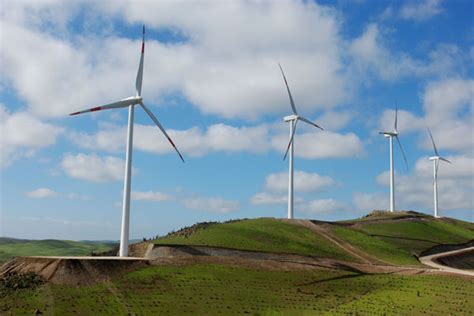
x: 370, y: 201
x: 151, y: 196
x: 22, y: 134
x: 93, y: 167
x: 41, y: 193
x: 211, y: 204
x: 268, y: 198
x: 449, y: 107
x: 75, y: 196
x: 455, y: 185
x: 322, y: 205
x: 406, y: 122
x: 321, y: 145
x: 448, y: 110
x: 334, y: 120
x: 446, y: 98
x: 193, y: 141
x: 235, y: 75
x: 303, y: 182
x: 421, y: 10
x: 222, y: 138
x: 372, y: 57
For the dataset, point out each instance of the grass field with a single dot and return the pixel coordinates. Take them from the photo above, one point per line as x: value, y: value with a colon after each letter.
x: 416, y: 236
x: 10, y: 247
x: 263, y: 234
x: 214, y: 289
x: 400, y: 241
x: 375, y: 246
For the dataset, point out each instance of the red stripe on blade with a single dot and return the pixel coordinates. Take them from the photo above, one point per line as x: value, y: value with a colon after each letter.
x: 75, y: 113
x: 143, y: 47
x: 96, y: 109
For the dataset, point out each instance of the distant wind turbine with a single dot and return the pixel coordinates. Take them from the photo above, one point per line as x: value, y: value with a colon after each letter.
x: 293, y: 119
x: 390, y: 136
x: 436, y: 158
x: 130, y: 102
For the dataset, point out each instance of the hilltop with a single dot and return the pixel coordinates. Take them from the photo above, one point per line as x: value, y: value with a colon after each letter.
x: 260, y: 266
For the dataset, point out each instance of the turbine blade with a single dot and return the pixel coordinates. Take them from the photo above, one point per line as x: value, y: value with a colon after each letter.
x: 309, y: 122
x: 138, y: 83
x: 403, y: 152
x: 291, y: 140
x: 432, y: 140
x: 155, y: 120
x: 119, y: 104
x: 396, y: 118
x: 444, y: 159
x: 293, y: 107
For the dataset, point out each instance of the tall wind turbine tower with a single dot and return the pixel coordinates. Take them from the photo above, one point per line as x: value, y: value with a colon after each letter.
x: 436, y: 158
x: 293, y: 119
x: 130, y: 103
x: 390, y: 136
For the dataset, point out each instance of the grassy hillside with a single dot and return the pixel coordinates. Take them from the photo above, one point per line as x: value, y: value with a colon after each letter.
x: 263, y: 234
x: 398, y: 239
x: 214, y: 289
x: 10, y: 247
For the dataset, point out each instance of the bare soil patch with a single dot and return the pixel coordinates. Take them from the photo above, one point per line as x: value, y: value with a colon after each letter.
x: 72, y: 270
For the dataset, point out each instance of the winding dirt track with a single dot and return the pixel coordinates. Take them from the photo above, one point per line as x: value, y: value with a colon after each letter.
x: 431, y: 261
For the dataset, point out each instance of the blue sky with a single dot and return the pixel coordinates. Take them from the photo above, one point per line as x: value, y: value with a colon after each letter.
x: 212, y: 79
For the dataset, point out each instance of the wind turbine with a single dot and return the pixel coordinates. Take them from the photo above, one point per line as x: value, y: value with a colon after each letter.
x: 436, y: 158
x: 293, y: 119
x: 130, y: 102
x: 390, y: 136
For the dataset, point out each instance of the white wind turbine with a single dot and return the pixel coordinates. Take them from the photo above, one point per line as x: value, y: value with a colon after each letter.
x: 130, y: 102
x: 436, y: 158
x: 390, y: 136
x: 293, y: 119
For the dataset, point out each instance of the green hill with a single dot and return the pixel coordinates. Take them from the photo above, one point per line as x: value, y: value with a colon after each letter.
x: 262, y: 234
x: 209, y: 286
x: 11, y: 247
x: 399, y: 238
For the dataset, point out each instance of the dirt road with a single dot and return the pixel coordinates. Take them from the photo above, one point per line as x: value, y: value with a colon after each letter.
x: 431, y: 261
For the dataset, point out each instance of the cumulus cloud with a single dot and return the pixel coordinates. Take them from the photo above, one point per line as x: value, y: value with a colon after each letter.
x: 193, y: 141
x: 406, y: 122
x: 22, y: 134
x: 211, y: 204
x: 93, y: 168
x: 72, y: 72
x: 370, y: 201
x: 421, y: 10
x: 448, y: 106
x: 262, y: 198
x: 455, y: 185
x: 151, y: 196
x: 41, y: 193
x: 322, y: 205
x: 372, y: 57
x: 303, y: 182
x: 321, y: 145
x: 334, y: 120
x: 196, y: 141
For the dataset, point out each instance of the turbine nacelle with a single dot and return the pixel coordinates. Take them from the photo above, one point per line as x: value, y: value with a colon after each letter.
x: 389, y: 134
x: 290, y: 118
